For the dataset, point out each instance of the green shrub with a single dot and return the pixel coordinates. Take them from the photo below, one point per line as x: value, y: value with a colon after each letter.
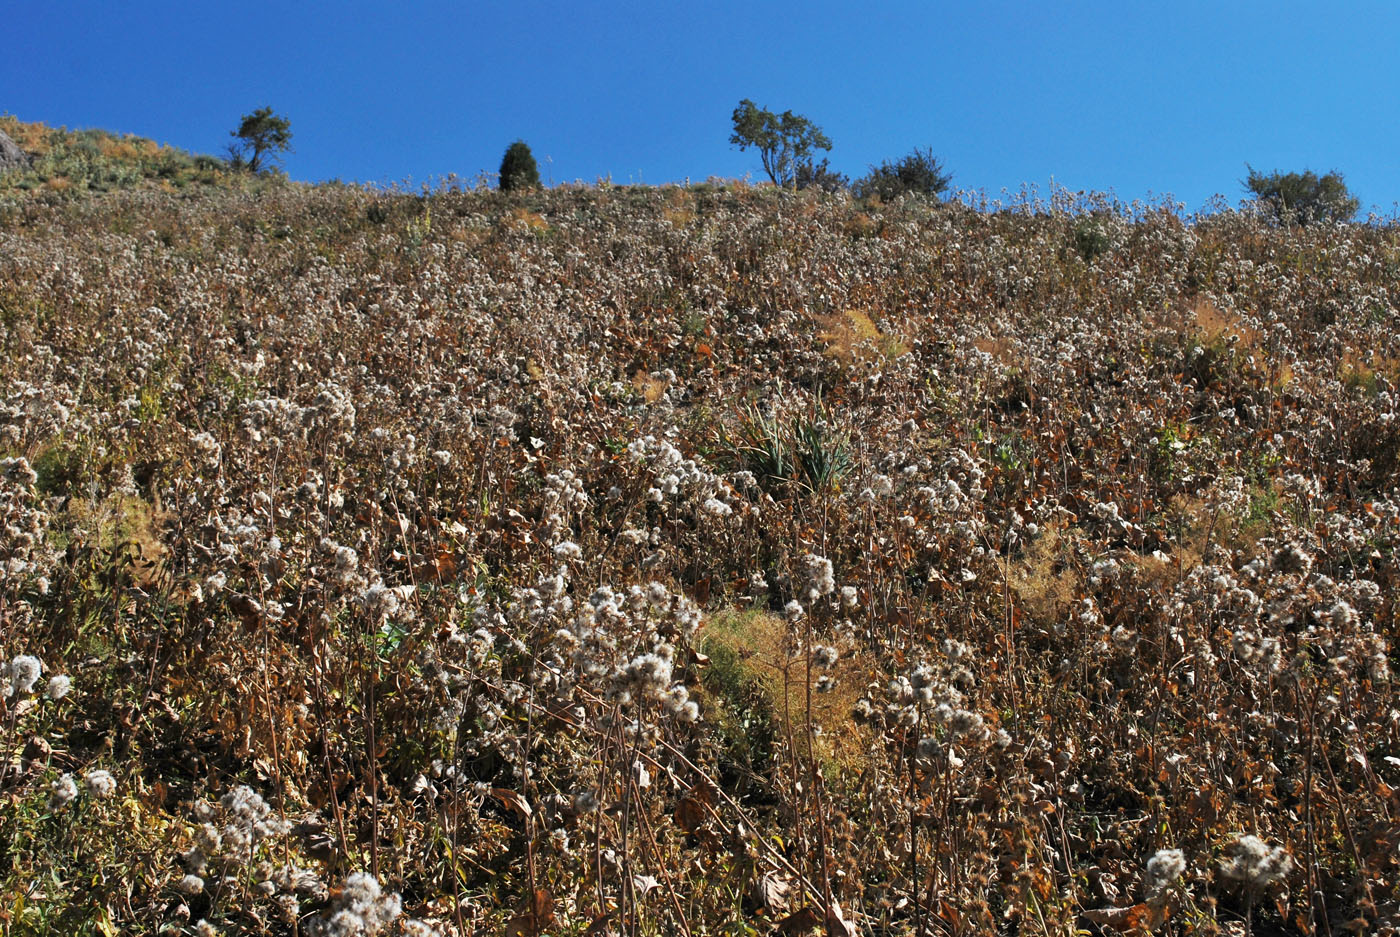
x: 919, y: 173
x: 1302, y: 198
x: 820, y: 176
x: 807, y: 452
x: 1091, y: 238
x: 518, y: 168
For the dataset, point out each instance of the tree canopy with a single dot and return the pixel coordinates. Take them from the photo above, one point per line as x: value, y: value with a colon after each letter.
x: 518, y: 168
x: 1301, y: 198
x: 784, y: 141
x: 262, y: 138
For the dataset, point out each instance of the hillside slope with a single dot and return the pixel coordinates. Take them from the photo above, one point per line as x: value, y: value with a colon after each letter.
x: 79, y: 161
x: 690, y: 560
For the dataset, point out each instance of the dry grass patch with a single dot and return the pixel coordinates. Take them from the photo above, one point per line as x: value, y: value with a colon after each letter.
x: 679, y: 209
x: 1215, y: 328
x: 852, y: 336
x: 751, y: 650
x: 1360, y: 369
x: 1003, y: 352
x: 860, y: 225
x: 33, y: 138
x: 129, y: 148
x: 1216, y: 325
x: 650, y: 387
x: 528, y: 220
x: 1045, y: 583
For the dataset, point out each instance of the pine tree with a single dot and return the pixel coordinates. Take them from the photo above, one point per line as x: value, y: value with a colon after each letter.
x: 518, y: 169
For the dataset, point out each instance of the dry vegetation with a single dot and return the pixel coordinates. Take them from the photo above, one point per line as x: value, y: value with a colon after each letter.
x: 717, y: 561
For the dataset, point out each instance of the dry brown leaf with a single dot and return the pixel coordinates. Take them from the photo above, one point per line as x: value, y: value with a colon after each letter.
x: 690, y: 814
x: 769, y: 893
x: 800, y: 921
x: 514, y: 801
x: 836, y: 923
x: 601, y: 926
x: 1138, y: 919
x: 532, y: 921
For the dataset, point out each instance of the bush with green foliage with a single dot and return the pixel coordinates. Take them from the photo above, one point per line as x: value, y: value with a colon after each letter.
x: 821, y: 176
x: 1091, y: 238
x: 1302, y: 198
x: 919, y: 173
x: 784, y: 141
x: 518, y: 168
x: 262, y: 137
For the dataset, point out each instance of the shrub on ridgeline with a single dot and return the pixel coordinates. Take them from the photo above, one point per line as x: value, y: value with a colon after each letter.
x: 1302, y: 198
x: 919, y: 173
x: 518, y: 168
x: 57, y: 160
x: 821, y: 176
x: 1091, y: 237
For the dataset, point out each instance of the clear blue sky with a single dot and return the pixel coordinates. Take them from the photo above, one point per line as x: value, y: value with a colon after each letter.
x: 1137, y: 97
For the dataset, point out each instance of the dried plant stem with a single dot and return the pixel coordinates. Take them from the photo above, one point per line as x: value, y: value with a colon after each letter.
x: 662, y: 866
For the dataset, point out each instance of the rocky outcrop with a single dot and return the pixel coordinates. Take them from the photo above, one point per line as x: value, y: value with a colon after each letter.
x: 11, y: 156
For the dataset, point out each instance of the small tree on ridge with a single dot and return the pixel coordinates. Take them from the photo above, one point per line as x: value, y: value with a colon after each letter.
x: 785, y: 141
x: 518, y: 168
x: 262, y: 136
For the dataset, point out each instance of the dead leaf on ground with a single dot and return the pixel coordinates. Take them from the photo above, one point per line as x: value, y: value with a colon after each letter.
x: 836, y: 923
x: 769, y: 893
x: 601, y: 926
x: 800, y: 922
x: 513, y: 801
x: 1138, y: 919
x: 532, y: 921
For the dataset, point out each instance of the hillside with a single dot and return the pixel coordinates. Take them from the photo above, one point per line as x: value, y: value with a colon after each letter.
x: 73, y: 162
x: 702, y: 561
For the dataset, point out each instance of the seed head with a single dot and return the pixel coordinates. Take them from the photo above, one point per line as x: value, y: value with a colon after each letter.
x: 100, y: 783
x: 60, y: 685
x: 62, y: 791
x: 24, y: 673
x: 1164, y: 868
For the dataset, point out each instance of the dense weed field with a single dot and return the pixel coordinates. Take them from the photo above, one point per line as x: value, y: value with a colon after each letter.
x: 694, y: 561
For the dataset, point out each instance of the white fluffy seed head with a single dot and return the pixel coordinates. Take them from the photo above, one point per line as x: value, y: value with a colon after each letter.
x: 59, y: 686
x: 24, y: 672
x: 1164, y: 868
x: 62, y: 791
x: 100, y: 783
x: 1254, y: 863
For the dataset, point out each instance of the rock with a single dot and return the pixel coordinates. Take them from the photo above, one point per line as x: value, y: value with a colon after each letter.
x: 11, y: 156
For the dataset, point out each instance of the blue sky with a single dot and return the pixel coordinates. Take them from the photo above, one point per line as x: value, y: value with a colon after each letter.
x: 1140, y: 98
